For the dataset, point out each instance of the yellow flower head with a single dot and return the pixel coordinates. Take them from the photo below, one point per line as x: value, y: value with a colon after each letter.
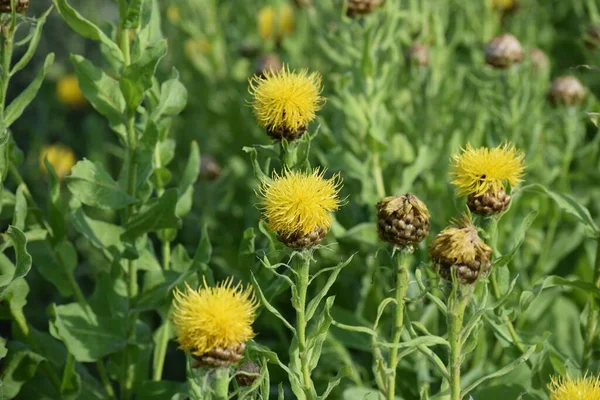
x: 194, y: 48
x: 460, y: 242
x: 68, y: 91
x: 173, y: 14
x: 273, y: 23
x: 286, y: 100
x: 214, y: 317
x: 299, y: 202
x: 566, y: 388
x: 476, y: 171
x: 61, y: 157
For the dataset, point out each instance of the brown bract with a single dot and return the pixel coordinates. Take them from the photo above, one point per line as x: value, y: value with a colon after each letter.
x: 503, y: 51
x: 402, y: 220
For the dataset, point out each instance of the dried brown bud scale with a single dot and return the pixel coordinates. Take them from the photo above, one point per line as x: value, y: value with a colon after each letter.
x: 402, y: 220
x: 539, y: 59
x: 490, y: 203
x: 299, y: 241
x: 363, y: 7
x: 566, y: 90
x: 222, y: 357
x: 503, y: 51
x: 247, y: 373
x: 418, y: 54
x: 22, y: 6
x: 268, y: 62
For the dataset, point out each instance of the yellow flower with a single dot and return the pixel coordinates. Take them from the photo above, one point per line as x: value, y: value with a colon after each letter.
x: 476, y: 171
x: 68, y: 91
x: 214, y: 317
x: 286, y: 101
x: 299, y: 202
x: 194, y: 47
x: 274, y: 23
x: 566, y: 388
x: 173, y: 14
x: 504, y: 4
x: 61, y: 157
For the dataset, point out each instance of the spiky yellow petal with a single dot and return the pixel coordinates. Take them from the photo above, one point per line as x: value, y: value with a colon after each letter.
x: 299, y: 202
x: 286, y: 100
x: 213, y: 317
x: 475, y: 171
x: 567, y: 388
x: 61, y: 158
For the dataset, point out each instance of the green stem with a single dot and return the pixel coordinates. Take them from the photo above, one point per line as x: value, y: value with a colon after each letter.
x: 161, y: 350
x: 67, y: 372
x: 457, y: 304
x: 378, y: 176
x: 302, y: 288
x: 403, y: 260
x: 222, y: 384
x: 104, y: 378
x: 592, y: 321
x: 166, y: 255
x: 288, y: 153
x: 7, y: 51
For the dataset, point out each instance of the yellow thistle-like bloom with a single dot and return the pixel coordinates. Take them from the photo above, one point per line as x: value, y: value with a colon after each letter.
x: 173, y: 14
x: 477, y: 171
x: 566, y: 388
x: 68, y: 91
x: 61, y: 157
x: 286, y: 101
x: 274, y: 23
x: 299, y: 202
x: 214, y: 317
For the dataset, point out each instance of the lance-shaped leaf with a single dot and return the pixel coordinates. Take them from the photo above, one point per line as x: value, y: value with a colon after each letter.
x: 33, y: 43
x: 18, y: 368
x: 156, y: 214
x: 173, y: 98
x: 22, y: 263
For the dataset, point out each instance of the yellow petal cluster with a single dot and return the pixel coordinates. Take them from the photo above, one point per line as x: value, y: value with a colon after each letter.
x: 459, y: 242
x: 68, y: 91
x: 476, y: 171
x: 567, y: 388
x: 275, y: 22
x: 61, y: 158
x: 299, y: 202
x: 286, y: 100
x: 214, y: 317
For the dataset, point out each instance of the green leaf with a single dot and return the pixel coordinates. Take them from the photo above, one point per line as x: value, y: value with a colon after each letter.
x: 88, y: 337
x: 527, y: 297
x: 93, y: 186
x: 87, y: 29
x: 335, y: 381
x: 568, y: 204
x: 314, y: 303
x: 268, y: 305
x: 156, y: 214
x: 18, y: 368
x: 192, y: 168
x: 102, y: 235
x: 318, y: 334
x: 518, y: 236
x: 173, y: 98
x: 133, y: 14
x: 162, y: 390
x: 20, y: 213
x: 136, y: 78
x: 18, y: 105
x: 102, y: 91
x: 23, y: 259
x: 55, y: 263
x: 33, y: 43
x: 355, y: 392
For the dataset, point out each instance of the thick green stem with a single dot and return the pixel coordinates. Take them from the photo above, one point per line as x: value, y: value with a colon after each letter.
x: 302, y: 288
x: 457, y: 304
x: 222, y: 384
x: 378, y: 176
x: 403, y: 260
x: 288, y: 154
x: 104, y: 378
x: 592, y: 321
x: 67, y: 372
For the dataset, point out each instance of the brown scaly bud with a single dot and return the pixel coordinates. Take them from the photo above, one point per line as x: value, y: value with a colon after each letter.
x: 22, y: 6
x: 402, y: 220
x: 303, y: 3
x: 209, y: 168
x: 503, y: 51
x: 363, y: 7
x: 268, y: 62
x: 299, y: 241
x: 539, y: 59
x: 566, y: 90
x: 418, y: 54
x: 591, y: 37
x: 247, y: 373
x: 459, y: 248
x: 221, y: 357
x: 490, y: 203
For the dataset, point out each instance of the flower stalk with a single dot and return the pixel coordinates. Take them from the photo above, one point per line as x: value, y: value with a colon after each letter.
x: 457, y: 304
x: 592, y: 320
x: 221, y: 384
x: 302, y: 279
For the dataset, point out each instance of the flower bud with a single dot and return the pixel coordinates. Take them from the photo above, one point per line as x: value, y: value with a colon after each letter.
x: 209, y: 168
x: 459, y: 248
x: 503, y: 51
x: 539, y: 59
x: 268, y: 62
x: 362, y: 7
x: 22, y: 6
x: 566, y: 90
x: 249, y: 373
x: 490, y: 203
x: 222, y: 356
x: 302, y: 241
x: 402, y: 220
x: 418, y: 54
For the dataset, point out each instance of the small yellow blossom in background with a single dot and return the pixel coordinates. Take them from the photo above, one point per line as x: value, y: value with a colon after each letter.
x: 173, y: 14
x: 566, y: 388
x: 507, y: 5
x: 68, y: 91
x: 286, y: 101
x: 61, y: 157
x: 214, y: 317
x: 299, y: 202
x: 275, y: 22
x: 196, y: 46
x: 475, y: 171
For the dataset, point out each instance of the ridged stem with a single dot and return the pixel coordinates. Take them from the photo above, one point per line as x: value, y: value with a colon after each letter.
x: 221, y: 384
x: 301, y: 322
x: 457, y: 304
x: 592, y: 321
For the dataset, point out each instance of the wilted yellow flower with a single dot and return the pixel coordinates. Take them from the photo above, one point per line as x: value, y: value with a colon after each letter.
x: 214, y: 318
x: 299, y: 203
x: 275, y: 22
x: 566, y: 388
x: 173, y: 14
x: 477, y: 171
x: 61, y: 157
x: 68, y: 91
x: 286, y: 101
